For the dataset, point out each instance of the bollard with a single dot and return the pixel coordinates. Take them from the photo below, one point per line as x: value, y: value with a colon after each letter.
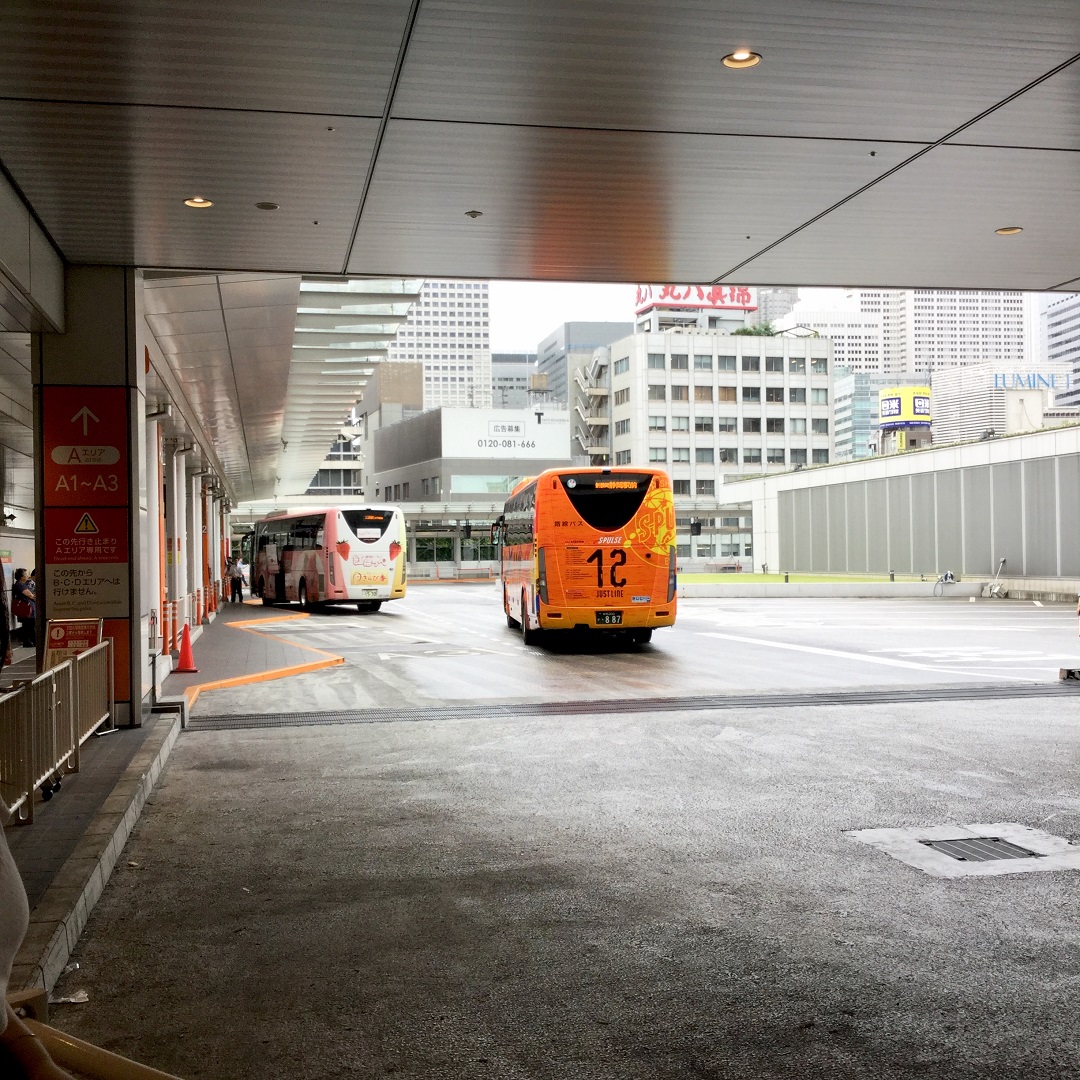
x: 785, y: 577
x: 892, y: 575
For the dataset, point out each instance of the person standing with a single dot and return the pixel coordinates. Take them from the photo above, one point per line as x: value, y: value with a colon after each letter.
x: 236, y: 581
x: 24, y: 607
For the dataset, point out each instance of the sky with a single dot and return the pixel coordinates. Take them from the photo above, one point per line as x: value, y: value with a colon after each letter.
x: 523, y: 313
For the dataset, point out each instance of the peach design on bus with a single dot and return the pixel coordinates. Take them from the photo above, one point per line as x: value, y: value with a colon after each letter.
x: 655, y: 524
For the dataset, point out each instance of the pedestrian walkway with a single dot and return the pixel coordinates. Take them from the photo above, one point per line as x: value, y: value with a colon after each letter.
x: 66, y: 856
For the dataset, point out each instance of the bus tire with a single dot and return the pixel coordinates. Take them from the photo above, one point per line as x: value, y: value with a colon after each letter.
x: 262, y: 593
x: 302, y: 596
x: 528, y: 635
x: 642, y: 636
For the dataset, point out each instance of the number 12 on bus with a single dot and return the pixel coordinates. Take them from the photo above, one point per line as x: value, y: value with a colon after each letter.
x: 589, y: 549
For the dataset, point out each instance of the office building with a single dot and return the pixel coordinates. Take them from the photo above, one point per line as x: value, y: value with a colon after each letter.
x: 570, y: 346
x: 855, y: 412
x: 512, y: 379
x: 1060, y: 324
x: 447, y: 331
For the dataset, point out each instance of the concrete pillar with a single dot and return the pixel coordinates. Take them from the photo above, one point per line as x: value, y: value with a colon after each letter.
x: 89, y: 427
x: 176, y: 520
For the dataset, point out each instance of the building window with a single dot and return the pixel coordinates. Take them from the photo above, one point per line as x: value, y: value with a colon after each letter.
x: 819, y: 427
x: 702, y: 363
x: 752, y: 457
x: 680, y: 363
x: 706, y: 487
x: 725, y: 393
x: 821, y: 457
x: 774, y: 363
x: 703, y: 393
x: 405, y: 491
x: 682, y: 551
x: 656, y: 392
x: 798, y: 426
x: 622, y: 457
x: 679, y: 393
x: 819, y: 397
x: 680, y: 487
x: 658, y: 453
x: 680, y: 453
x: 658, y: 423
x: 751, y: 393
x: 798, y: 457
x: 775, y: 424
x: 797, y: 365
x: 656, y: 361
x: 728, y: 455
x: 725, y: 363
x: 623, y: 396
x: 751, y: 424
x: 797, y: 395
x: 774, y: 393
x: 622, y: 427
x: 703, y: 455
x: 819, y: 365
x: 751, y: 363
x: 621, y: 366
x: 680, y: 423
x: 726, y: 423
x: 703, y: 423
x: 775, y: 457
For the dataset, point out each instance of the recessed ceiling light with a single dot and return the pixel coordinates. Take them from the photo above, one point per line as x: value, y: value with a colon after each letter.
x: 1009, y: 230
x: 198, y: 202
x: 266, y: 206
x: 742, y: 58
x: 474, y: 213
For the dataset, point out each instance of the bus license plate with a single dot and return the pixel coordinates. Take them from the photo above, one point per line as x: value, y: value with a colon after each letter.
x: 369, y: 592
x: 608, y: 618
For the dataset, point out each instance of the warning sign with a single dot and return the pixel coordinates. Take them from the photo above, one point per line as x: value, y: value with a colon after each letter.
x: 65, y: 638
x: 86, y: 536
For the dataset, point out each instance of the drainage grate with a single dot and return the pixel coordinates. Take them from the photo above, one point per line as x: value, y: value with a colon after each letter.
x: 981, y: 849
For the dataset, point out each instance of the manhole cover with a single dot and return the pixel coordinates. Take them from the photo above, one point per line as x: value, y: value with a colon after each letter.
x: 981, y: 849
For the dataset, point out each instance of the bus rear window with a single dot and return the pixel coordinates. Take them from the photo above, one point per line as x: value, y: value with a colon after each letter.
x: 605, y: 501
x: 368, y: 525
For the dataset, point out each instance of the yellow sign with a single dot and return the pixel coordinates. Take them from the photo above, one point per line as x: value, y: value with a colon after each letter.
x: 904, y: 406
x: 86, y: 525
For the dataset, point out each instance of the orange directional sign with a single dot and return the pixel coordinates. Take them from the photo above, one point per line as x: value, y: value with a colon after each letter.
x: 85, y: 435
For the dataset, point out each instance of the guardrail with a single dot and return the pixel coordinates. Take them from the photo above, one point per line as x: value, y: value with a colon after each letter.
x: 44, y: 722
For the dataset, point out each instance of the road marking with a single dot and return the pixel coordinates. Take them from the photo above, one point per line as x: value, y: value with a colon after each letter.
x: 816, y: 650
x: 1037, y: 603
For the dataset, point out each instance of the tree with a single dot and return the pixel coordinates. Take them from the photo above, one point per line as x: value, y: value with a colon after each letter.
x: 764, y: 329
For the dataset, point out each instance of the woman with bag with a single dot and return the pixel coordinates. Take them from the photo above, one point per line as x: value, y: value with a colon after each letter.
x: 24, y: 607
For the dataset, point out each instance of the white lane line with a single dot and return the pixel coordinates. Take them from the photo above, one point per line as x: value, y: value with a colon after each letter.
x: 864, y: 657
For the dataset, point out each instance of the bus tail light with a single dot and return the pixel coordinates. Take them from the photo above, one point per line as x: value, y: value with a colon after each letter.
x: 671, y: 575
x: 330, y: 563
x: 541, y: 575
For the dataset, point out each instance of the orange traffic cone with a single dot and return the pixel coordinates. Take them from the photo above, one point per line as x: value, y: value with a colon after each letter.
x: 186, y: 666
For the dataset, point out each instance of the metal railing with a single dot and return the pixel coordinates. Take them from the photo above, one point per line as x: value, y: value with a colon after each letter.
x: 44, y: 722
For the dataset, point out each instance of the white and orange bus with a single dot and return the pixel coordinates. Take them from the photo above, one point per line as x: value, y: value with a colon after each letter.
x: 334, y: 556
x: 590, y: 548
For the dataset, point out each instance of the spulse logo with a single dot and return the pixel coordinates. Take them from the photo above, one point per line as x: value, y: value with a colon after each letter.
x: 609, y: 540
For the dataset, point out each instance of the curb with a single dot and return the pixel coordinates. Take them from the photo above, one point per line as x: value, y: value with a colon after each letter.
x: 57, y: 922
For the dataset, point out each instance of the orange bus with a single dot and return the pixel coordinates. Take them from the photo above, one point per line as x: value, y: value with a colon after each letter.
x: 590, y: 548
x: 339, y: 555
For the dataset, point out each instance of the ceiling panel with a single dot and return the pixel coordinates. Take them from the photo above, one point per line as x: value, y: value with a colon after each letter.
x: 240, y: 54
x: 831, y: 68
x: 598, y: 206
x: 936, y: 218
x: 109, y: 183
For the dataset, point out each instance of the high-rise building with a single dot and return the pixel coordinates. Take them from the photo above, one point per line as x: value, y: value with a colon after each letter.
x: 1061, y: 334
x: 512, y: 379
x: 855, y: 411
x: 447, y: 331
x: 773, y: 304
x: 568, y: 347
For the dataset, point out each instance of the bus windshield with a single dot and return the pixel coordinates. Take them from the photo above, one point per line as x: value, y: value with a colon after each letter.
x: 368, y: 524
x: 606, y: 502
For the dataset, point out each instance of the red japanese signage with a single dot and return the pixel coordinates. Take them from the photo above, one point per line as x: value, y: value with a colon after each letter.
x: 95, y: 535
x: 85, y: 430
x: 66, y: 638
x: 712, y: 297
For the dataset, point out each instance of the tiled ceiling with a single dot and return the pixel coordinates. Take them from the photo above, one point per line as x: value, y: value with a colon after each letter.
x: 879, y: 142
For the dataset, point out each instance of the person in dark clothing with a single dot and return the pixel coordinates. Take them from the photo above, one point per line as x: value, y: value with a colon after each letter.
x: 24, y: 607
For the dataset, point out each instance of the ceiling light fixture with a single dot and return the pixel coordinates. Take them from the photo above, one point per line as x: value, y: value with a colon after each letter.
x: 267, y: 206
x: 742, y: 58
x: 198, y: 202
x: 1009, y: 230
x: 474, y: 214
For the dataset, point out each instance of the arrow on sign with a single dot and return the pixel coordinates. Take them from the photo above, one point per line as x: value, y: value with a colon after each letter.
x: 85, y: 415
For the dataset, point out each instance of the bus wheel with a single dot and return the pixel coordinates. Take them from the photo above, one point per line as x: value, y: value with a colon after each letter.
x: 302, y: 597
x: 642, y: 636
x: 528, y: 635
x: 262, y: 592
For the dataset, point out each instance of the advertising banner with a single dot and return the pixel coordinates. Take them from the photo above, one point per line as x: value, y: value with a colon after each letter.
x: 903, y: 407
